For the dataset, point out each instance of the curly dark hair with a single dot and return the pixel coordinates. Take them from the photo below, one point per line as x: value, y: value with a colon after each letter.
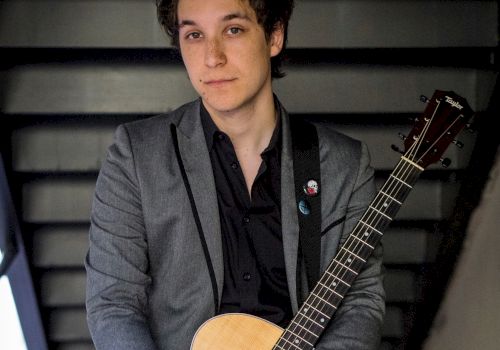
x: 270, y: 13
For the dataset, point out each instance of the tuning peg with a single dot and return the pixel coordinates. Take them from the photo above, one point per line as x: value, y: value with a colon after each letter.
x: 401, y: 136
x: 445, y: 162
x: 424, y: 99
x: 457, y: 143
x: 397, y: 149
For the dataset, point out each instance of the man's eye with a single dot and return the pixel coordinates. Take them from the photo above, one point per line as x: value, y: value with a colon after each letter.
x: 234, y: 30
x: 194, y: 35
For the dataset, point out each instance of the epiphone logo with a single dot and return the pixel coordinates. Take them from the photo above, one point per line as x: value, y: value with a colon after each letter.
x: 453, y: 103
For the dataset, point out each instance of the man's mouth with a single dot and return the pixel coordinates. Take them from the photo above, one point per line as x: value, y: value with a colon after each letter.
x: 219, y: 82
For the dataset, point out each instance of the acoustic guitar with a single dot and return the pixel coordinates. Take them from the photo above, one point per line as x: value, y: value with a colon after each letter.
x: 443, y: 118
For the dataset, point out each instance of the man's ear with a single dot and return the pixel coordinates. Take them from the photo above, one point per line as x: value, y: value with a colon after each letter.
x: 277, y: 39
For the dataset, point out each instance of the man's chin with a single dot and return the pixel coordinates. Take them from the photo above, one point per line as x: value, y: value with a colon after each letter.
x: 221, y: 105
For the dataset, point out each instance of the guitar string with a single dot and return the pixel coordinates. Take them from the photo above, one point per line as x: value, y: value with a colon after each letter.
x: 375, y: 209
x: 376, y: 204
x: 298, y: 320
x: 301, y: 333
x: 348, y: 251
x: 442, y: 135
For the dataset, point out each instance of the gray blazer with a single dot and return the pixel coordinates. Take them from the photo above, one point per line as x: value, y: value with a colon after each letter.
x: 148, y: 281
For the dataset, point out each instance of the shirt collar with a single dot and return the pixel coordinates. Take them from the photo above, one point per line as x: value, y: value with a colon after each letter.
x: 211, y: 130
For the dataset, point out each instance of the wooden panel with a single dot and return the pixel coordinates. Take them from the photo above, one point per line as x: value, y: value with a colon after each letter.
x: 366, y: 23
x: 68, y: 325
x: 96, y: 89
x: 399, y: 286
x: 82, y: 148
x: 58, y: 246
x: 67, y: 288
x: 61, y: 200
x: 64, y: 288
x: 393, y: 323
x: 316, y: 23
x: 80, y: 23
x: 373, y: 89
x: 66, y: 246
x: 141, y: 89
x: 406, y: 246
x: 68, y: 200
x: 60, y: 148
x: 75, y: 346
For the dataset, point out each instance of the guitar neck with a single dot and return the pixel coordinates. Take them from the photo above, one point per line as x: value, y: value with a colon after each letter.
x: 321, y: 304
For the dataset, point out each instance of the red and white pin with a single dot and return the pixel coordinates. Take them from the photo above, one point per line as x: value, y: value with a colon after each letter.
x: 311, y: 188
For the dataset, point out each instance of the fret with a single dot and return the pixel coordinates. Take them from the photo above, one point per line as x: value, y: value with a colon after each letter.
x: 338, y: 278
x: 359, y: 239
x: 304, y: 328
x: 353, y: 263
x: 290, y: 342
x: 396, y: 191
x: 345, y: 266
x: 323, y: 300
x: 373, y: 228
x: 331, y: 290
x: 297, y: 339
x: 300, y: 314
x: 388, y: 206
x: 391, y: 197
x: 356, y: 256
x: 381, y: 213
x: 309, y: 306
x: 363, y: 251
x: 408, y: 185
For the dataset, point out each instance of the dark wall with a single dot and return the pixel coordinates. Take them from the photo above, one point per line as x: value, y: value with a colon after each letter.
x: 73, y: 70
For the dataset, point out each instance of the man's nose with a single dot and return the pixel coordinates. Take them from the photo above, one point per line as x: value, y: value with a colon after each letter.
x: 214, y: 53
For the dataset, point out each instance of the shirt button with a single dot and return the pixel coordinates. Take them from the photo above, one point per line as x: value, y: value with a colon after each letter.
x: 246, y: 219
x: 247, y: 276
x: 234, y: 165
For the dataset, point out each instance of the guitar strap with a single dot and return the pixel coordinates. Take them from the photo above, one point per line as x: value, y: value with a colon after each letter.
x: 307, y: 178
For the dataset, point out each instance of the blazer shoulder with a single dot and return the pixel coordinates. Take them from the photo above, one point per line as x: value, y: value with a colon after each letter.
x: 333, y: 139
x: 160, y: 124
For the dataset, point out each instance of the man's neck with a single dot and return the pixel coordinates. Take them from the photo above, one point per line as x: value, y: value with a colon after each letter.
x: 250, y: 129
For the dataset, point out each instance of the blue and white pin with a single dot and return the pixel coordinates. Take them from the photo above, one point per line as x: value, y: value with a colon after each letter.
x: 304, y: 207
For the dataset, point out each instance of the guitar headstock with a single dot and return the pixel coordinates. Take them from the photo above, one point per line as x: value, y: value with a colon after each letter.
x: 445, y: 115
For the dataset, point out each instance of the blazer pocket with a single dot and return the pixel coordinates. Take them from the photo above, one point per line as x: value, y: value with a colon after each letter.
x: 333, y: 224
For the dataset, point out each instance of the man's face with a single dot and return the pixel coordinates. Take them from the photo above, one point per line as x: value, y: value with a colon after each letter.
x: 226, y: 53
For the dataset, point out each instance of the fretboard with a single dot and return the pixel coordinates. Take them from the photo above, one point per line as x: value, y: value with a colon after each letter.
x: 320, y: 306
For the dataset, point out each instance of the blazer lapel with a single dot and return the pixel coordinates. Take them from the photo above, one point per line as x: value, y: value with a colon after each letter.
x: 289, y: 220
x: 194, y: 154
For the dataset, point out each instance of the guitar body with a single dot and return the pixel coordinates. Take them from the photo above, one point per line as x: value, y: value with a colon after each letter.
x: 236, y: 332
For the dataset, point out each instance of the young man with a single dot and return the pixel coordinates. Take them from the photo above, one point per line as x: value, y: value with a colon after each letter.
x: 194, y: 212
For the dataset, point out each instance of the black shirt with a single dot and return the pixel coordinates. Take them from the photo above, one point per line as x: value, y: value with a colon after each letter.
x: 254, y: 267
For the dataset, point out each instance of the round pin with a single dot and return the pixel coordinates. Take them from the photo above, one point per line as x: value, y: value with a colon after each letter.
x: 311, y: 188
x: 304, y: 207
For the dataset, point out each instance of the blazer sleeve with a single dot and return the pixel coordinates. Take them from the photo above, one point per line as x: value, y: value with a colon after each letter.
x: 358, y: 322
x: 117, y: 260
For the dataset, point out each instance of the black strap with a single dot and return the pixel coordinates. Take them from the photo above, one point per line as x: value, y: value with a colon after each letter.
x: 196, y: 218
x: 307, y: 177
